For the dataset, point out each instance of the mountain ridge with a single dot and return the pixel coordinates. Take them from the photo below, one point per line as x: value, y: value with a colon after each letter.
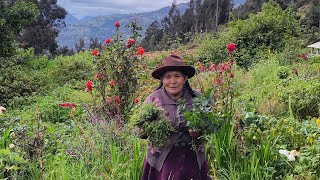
x: 102, y: 27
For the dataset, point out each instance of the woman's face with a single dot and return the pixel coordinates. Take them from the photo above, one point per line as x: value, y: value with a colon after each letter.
x: 173, y: 82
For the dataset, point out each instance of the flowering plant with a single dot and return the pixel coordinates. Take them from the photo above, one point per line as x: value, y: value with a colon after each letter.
x: 116, y: 63
x: 215, y: 106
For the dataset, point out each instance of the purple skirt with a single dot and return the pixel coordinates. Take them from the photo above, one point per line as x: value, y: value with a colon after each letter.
x: 180, y: 164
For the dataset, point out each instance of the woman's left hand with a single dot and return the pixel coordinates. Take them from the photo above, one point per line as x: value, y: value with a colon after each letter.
x: 193, y: 133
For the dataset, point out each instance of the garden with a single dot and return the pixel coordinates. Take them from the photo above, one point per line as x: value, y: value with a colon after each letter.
x: 71, y: 117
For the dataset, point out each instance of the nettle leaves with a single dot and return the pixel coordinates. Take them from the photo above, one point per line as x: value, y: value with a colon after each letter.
x: 202, y: 116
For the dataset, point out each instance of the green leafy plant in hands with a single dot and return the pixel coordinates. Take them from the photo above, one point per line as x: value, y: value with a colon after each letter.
x: 154, y: 124
x: 202, y: 117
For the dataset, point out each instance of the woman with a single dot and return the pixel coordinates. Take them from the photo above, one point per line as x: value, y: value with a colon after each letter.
x: 178, y: 160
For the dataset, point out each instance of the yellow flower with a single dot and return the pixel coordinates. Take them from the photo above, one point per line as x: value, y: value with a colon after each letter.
x: 318, y: 122
x: 310, y: 139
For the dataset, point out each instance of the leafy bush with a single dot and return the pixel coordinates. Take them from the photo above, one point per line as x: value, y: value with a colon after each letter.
x: 303, y: 95
x: 71, y: 70
x: 213, y: 48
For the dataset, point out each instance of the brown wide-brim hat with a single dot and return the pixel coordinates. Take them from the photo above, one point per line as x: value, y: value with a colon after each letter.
x: 173, y: 63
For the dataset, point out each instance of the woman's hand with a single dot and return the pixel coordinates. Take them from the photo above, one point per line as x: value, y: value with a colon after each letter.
x: 194, y: 133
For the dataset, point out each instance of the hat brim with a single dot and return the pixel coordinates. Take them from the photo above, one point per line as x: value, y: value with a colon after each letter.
x: 187, y: 70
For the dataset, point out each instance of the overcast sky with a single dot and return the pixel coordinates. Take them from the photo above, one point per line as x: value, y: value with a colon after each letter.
x: 82, y: 8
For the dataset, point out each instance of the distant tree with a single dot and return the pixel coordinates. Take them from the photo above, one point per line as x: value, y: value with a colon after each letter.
x: 65, y: 51
x: 312, y: 18
x: 94, y: 43
x: 14, y: 16
x: 199, y: 13
x: 41, y: 34
x: 153, y: 36
x: 188, y: 18
x: 79, y: 45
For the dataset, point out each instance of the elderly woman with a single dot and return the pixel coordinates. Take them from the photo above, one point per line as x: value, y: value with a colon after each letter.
x: 178, y: 160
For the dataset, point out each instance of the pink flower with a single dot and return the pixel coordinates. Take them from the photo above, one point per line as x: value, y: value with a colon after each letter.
x: 68, y: 105
x: 213, y: 67
x: 218, y: 81
x: 223, y: 67
x: 89, y: 86
x: 136, y: 101
x: 118, y: 100
x: 108, y: 40
x: 140, y: 51
x: 112, y: 83
x: 201, y: 68
x: 304, y: 56
x: 95, y: 52
x: 231, y: 47
x: 117, y: 24
x: 296, y: 72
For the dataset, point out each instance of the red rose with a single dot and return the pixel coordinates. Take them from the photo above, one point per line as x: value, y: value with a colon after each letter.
x: 295, y: 72
x: 98, y: 76
x: 108, y: 40
x: 95, y: 52
x: 117, y: 24
x: 201, y: 68
x: 136, y: 101
x: 231, y: 75
x: 131, y: 41
x: 68, y: 105
x: 231, y: 47
x: 112, y: 83
x: 304, y: 56
x: 140, y: 51
x: 89, y: 86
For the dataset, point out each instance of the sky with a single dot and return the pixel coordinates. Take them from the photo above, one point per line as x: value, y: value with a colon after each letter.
x: 83, y: 8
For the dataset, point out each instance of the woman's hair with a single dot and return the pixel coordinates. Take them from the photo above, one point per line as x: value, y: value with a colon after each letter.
x: 186, y: 85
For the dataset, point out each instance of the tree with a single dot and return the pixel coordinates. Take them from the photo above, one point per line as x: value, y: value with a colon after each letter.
x: 312, y: 18
x: 94, y: 43
x: 79, y: 46
x: 153, y: 36
x: 42, y: 33
x: 13, y: 18
x: 271, y: 29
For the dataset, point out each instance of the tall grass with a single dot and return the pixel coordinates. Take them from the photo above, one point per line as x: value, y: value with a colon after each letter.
x: 112, y: 158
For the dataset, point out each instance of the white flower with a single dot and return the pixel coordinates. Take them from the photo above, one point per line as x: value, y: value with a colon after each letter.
x: 11, y: 146
x: 284, y: 152
x: 290, y: 155
x: 295, y: 153
x: 2, y: 110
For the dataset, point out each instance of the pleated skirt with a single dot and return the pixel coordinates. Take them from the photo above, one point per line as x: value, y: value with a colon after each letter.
x: 180, y: 164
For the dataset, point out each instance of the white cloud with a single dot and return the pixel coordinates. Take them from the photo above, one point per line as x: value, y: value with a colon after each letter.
x: 82, y: 8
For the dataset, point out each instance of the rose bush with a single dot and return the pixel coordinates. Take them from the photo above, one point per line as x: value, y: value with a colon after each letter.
x: 115, y: 83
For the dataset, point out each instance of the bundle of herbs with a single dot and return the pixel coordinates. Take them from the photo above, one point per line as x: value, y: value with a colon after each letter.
x: 153, y: 123
x: 202, y: 117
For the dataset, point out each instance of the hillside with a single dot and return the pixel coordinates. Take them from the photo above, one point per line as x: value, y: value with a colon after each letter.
x: 103, y: 26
